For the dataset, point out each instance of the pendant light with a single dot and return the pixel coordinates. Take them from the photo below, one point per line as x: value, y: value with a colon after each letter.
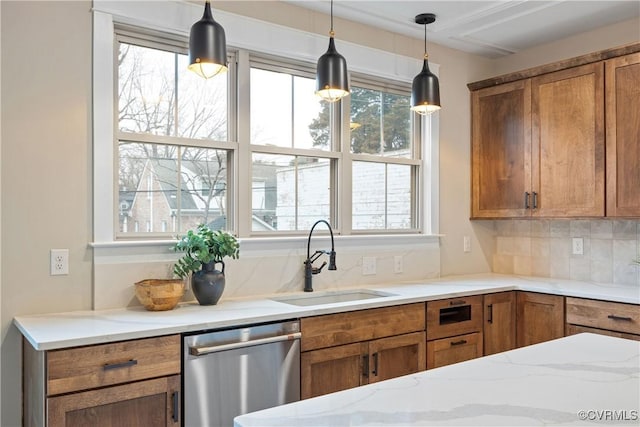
x: 332, y: 81
x: 425, y: 91
x: 207, y: 46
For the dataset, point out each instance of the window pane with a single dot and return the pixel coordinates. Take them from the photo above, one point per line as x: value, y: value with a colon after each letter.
x: 202, y: 104
x: 381, y: 196
x: 380, y: 123
x: 146, y: 89
x: 150, y: 175
x: 285, y: 111
x: 289, y: 192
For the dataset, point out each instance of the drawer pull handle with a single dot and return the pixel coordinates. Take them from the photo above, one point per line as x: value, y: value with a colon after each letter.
x: 375, y: 365
x: 128, y: 363
x: 458, y: 302
x: 526, y: 200
x: 365, y: 365
x: 458, y: 342
x: 535, y: 200
x: 614, y: 317
x: 490, y: 316
x: 175, y: 416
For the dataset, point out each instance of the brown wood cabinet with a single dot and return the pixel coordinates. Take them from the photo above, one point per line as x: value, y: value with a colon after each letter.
x: 133, y: 383
x: 541, y: 139
x: 501, y: 150
x: 499, y: 330
x: 447, y: 351
x: 568, y: 142
x: 602, y: 317
x: 345, y: 350
x: 540, y: 317
x: 623, y: 135
x: 454, y: 330
x: 139, y: 404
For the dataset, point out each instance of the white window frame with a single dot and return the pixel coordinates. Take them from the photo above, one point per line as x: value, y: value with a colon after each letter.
x: 244, y: 33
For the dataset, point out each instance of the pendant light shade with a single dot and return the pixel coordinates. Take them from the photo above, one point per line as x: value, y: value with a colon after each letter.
x: 207, y: 46
x: 332, y: 80
x: 425, y: 91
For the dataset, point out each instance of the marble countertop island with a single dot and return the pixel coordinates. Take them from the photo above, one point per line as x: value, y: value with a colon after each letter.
x: 583, y: 379
x: 63, y: 330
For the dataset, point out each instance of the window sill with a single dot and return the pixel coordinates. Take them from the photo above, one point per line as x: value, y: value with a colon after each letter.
x: 272, y: 245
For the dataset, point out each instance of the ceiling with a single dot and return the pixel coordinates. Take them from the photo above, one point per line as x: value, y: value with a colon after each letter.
x: 488, y: 28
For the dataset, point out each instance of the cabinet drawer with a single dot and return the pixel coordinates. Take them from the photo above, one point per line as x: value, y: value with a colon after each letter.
x: 446, y: 351
x: 454, y: 316
x: 613, y: 316
x: 577, y: 329
x: 83, y: 368
x: 345, y: 328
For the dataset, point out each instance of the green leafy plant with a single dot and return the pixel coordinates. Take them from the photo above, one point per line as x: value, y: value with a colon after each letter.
x: 202, y: 247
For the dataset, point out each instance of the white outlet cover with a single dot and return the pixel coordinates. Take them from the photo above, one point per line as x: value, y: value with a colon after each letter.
x: 59, y: 262
x: 368, y: 266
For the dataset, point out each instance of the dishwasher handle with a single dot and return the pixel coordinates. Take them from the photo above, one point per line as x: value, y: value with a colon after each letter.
x: 204, y: 350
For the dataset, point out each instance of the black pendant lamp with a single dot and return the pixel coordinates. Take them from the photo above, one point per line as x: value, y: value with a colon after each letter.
x: 332, y: 81
x: 425, y: 91
x: 207, y: 46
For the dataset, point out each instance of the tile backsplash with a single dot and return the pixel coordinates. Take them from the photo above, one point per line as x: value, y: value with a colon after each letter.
x: 545, y: 248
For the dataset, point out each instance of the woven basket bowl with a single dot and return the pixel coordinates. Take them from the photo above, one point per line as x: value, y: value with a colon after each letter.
x: 158, y: 294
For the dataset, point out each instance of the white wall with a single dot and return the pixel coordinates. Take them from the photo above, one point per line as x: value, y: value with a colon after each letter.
x: 606, y: 37
x: 46, y: 185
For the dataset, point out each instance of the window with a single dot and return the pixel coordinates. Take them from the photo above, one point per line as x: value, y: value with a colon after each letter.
x: 386, y: 162
x: 356, y: 163
x: 172, y: 141
x: 292, y: 154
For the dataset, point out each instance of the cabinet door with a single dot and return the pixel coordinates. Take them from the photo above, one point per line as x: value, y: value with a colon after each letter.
x: 499, y: 322
x: 396, y: 356
x: 332, y: 369
x: 145, y: 403
x: 539, y: 318
x: 623, y: 136
x: 446, y: 351
x: 568, y: 142
x: 501, y: 150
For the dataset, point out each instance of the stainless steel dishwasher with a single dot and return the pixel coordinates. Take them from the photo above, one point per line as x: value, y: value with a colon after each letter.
x: 235, y: 371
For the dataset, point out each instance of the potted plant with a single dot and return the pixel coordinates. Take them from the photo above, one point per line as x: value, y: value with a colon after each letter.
x: 204, y: 248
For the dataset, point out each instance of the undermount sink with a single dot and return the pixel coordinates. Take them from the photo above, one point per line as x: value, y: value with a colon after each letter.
x: 332, y: 297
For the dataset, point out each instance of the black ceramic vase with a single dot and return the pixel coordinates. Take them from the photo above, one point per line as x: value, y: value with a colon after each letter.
x: 207, y: 284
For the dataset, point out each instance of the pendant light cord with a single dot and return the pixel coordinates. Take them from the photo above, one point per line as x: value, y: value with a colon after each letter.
x: 426, y: 55
x: 331, y: 32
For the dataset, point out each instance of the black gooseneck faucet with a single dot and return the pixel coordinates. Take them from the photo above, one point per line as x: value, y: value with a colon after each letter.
x: 309, y: 269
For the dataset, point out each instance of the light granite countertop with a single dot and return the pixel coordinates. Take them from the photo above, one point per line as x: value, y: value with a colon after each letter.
x: 61, y: 330
x: 583, y: 379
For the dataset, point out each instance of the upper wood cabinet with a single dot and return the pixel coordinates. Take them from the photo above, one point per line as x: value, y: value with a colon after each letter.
x: 623, y: 135
x: 568, y: 142
x: 542, y: 145
x: 501, y: 150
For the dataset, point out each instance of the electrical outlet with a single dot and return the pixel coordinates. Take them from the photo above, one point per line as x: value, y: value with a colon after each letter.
x: 578, y: 246
x: 466, y: 243
x: 59, y: 262
x: 368, y: 265
x: 397, y: 264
